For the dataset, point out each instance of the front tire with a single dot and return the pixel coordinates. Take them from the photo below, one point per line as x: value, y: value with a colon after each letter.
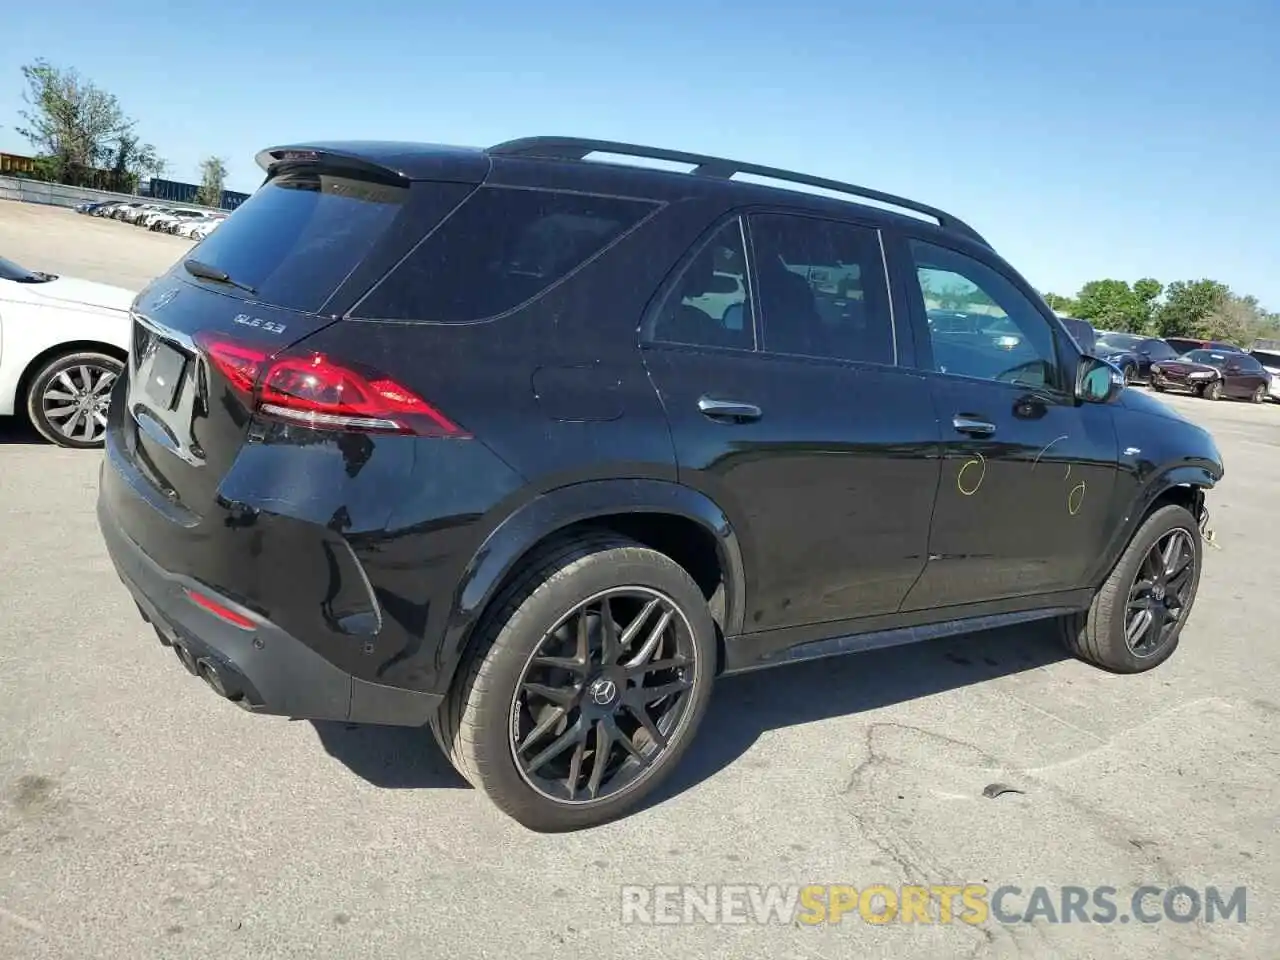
x: 1136, y: 618
x: 68, y: 397
x: 584, y: 686
x: 1213, y: 391
x: 1259, y: 395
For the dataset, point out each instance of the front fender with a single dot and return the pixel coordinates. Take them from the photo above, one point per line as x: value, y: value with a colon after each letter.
x: 1197, y: 473
x: 562, y: 507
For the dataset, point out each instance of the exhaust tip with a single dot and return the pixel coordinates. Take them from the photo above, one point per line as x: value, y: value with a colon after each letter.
x: 208, y: 671
x: 186, y: 658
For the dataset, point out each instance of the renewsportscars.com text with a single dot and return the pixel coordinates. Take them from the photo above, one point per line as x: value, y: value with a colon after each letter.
x: 973, y: 904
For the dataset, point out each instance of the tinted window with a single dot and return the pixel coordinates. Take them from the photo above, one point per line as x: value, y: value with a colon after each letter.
x: 1159, y: 350
x: 296, y: 239
x: 500, y: 249
x: 11, y: 271
x: 1267, y: 359
x: 1248, y: 364
x: 707, y: 305
x: 821, y: 289
x: 1008, y: 339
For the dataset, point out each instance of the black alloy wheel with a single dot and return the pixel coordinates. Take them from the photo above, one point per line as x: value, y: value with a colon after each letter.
x: 605, y: 691
x: 1158, y: 596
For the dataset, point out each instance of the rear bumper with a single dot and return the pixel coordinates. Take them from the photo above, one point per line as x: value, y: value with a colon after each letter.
x: 259, y: 666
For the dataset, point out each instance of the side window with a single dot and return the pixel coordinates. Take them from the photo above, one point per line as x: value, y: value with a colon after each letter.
x: 1004, y: 337
x: 1159, y: 350
x: 708, y: 305
x: 502, y: 247
x: 821, y: 289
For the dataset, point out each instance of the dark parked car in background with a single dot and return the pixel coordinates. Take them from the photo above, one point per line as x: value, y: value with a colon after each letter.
x: 1133, y: 354
x: 1270, y: 360
x: 1213, y: 374
x: 461, y: 438
x: 1186, y: 344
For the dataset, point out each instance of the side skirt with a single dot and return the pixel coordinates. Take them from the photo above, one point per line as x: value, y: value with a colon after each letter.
x: 752, y: 652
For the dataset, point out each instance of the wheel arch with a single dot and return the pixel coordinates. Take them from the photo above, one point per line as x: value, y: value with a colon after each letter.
x: 1183, y: 484
x: 667, y: 516
x: 44, y: 357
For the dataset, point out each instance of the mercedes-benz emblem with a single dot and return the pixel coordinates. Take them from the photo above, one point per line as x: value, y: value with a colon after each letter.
x: 1157, y: 592
x: 603, y: 691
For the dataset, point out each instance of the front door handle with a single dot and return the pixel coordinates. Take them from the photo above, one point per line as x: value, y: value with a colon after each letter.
x: 733, y: 411
x: 973, y: 426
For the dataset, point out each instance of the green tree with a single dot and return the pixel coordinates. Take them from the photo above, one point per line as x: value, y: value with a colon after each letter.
x: 1148, y: 292
x: 1111, y: 305
x: 69, y: 120
x: 134, y: 160
x: 1061, y: 304
x: 1187, y: 304
x: 213, y: 175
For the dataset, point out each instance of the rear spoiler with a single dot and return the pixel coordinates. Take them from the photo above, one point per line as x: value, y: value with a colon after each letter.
x: 398, y: 163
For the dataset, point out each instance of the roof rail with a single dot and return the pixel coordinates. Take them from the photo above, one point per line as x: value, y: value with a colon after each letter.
x: 575, y: 148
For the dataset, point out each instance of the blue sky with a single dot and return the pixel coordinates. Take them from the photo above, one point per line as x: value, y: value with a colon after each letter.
x: 1085, y: 140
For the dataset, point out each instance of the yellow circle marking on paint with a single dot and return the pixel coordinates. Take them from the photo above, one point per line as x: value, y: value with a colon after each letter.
x: 1075, y: 499
x: 969, y: 489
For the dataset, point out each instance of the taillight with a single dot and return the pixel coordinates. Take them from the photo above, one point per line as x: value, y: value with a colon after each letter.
x: 315, y: 391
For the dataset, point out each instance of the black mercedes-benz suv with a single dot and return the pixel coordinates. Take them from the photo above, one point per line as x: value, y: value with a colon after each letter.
x: 531, y: 448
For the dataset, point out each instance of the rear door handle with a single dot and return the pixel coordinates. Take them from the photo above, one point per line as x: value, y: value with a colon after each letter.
x: 973, y: 426
x: 734, y: 411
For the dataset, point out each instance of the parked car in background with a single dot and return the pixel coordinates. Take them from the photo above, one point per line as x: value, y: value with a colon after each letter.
x: 1133, y: 354
x: 166, y: 223
x: 63, y: 342
x: 1186, y: 344
x: 1270, y: 360
x: 1213, y: 374
x: 201, y: 227
x: 469, y: 438
x: 202, y: 230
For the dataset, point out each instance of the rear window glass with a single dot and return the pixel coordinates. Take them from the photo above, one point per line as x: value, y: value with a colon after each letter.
x: 1266, y: 358
x: 501, y: 248
x: 296, y: 239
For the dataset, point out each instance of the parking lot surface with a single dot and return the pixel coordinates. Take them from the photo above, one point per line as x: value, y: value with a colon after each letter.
x: 140, y: 816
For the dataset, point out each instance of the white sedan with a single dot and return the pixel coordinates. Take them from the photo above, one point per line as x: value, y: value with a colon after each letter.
x: 63, y: 343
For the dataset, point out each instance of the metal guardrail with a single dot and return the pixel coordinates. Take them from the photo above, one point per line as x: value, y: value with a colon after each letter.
x: 61, y: 195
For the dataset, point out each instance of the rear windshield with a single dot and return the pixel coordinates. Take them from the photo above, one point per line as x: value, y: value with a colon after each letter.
x: 299, y: 236
x: 500, y: 249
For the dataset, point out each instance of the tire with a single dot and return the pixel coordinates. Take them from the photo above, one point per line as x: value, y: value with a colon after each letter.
x: 1158, y: 388
x: 484, y: 724
x: 84, y: 376
x: 1212, y: 391
x: 1259, y: 395
x: 1098, y: 635
x: 1130, y: 375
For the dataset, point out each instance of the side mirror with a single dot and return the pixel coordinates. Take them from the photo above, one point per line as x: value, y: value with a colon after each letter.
x: 1098, y: 381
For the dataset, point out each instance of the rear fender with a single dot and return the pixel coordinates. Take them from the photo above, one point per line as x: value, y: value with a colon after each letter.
x: 548, y: 513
